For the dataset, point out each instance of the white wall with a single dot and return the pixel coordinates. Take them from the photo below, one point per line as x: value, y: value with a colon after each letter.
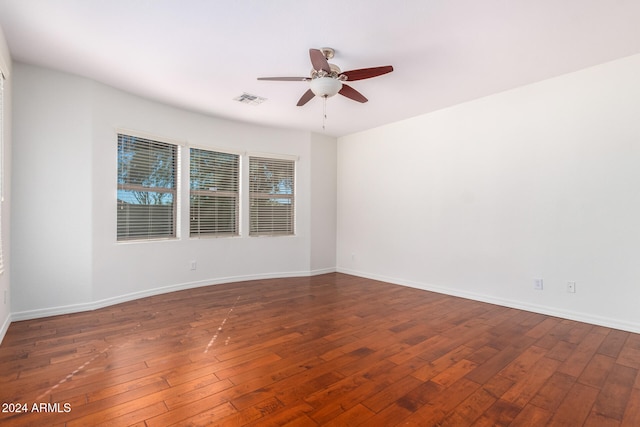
x: 51, y: 209
x: 480, y: 199
x: 5, y: 206
x: 67, y: 258
x: 323, y: 203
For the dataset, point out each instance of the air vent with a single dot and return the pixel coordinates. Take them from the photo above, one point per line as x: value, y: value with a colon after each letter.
x: 247, y: 98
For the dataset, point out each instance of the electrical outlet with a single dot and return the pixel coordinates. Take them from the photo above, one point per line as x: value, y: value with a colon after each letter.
x: 193, y: 265
x: 537, y: 284
x: 571, y: 287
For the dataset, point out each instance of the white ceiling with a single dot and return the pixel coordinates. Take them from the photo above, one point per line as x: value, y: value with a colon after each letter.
x: 200, y: 54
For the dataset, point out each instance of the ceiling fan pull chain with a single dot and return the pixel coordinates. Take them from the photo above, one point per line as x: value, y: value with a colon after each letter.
x: 324, y: 111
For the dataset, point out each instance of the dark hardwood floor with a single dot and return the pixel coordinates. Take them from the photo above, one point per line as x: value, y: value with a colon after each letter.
x: 327, y: 350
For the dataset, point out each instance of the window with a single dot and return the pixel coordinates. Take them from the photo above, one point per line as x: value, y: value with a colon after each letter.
x: 213, y: 205
x: 271, y: 196
x: 1, y: 164
x: 147, y: 174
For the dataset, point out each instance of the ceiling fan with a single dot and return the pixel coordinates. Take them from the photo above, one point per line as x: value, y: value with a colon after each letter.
x: 327, y: 79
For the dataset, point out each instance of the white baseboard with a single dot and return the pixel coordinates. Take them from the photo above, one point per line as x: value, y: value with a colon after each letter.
x: 93, y: 305
x: 322, y: 271
x: 549, y: 311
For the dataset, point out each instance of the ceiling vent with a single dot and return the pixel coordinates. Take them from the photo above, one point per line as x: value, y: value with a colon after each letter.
x: 247, y: 98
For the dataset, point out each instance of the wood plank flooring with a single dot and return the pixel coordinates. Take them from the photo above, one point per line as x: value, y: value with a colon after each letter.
x: 330, y: 350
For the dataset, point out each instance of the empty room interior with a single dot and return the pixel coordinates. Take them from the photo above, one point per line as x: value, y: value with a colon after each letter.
x: 256, y: 213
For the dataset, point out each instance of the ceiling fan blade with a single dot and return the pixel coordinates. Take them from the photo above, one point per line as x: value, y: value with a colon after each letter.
x: 318, y: 60
x: 286, y: 79
x: 351, y: 93
x: 305, y: 98
x: 367, y: 73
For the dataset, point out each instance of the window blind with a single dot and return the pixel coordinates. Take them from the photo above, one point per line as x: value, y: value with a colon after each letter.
x: 271, y: 196
x: 214, y: 185
x: 147, y: 173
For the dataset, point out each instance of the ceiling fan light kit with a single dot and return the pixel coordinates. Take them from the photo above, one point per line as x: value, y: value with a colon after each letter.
x: 325, y: 86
